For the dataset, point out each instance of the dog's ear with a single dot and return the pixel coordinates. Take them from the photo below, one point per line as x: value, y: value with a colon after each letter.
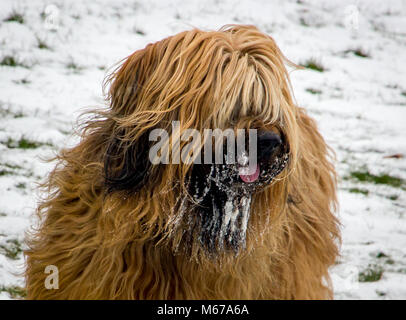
x: 126, y: 164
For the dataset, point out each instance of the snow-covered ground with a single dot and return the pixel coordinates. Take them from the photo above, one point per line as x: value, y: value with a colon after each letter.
x: 55, y: 54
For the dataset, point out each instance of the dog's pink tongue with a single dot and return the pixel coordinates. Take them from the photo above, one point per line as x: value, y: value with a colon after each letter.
x: 248, y: 178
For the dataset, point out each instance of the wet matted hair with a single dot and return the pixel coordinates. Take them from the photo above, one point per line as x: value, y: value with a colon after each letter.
x: 118, y: 227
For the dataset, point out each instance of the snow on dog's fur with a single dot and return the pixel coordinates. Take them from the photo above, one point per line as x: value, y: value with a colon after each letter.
x: 118, y: 227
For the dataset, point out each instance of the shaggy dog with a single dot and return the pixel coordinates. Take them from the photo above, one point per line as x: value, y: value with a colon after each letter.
x: 117, y: 226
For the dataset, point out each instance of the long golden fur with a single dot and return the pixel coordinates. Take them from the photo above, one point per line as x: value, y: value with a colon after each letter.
x: 126, y: 245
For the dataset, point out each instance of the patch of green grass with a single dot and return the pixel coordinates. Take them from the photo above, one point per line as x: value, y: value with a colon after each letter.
x: 21, y: 185
x: 14, y: 291
x: 9, y: 61
x: 371, y: 274
x: 403, y: 93
x: 139, y: 31
x: 312, y: 64
x: 42, y: 44
x: 11, y: 166
x: 15, y: 16
x: 8, y: 169
x: 393, y: 197
x: 359, y: 52
x: 19, y: 114
x: 22, y: 81
x: 5, y: 172
x: 314, y: 91
x: 380, y: 293
x: 380, y: 255
x: 365, y: 176
x: 25, y: 143
x: 360, y: 191
x: 12, y: 249
x: 72, y: 65
x: 303, y: 22
x: 4, y: 112
x: 65, y: 132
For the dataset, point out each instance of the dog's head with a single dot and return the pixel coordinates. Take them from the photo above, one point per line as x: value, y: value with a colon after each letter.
x: 165, y: 97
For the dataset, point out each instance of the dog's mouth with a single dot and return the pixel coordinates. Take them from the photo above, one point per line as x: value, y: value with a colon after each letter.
x: 222, y: 196
x: 249, y: 177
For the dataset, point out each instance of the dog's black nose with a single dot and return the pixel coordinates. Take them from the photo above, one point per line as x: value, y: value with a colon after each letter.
x: 269, y: 144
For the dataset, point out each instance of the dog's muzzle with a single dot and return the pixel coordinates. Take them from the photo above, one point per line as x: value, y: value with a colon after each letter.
x: 222, y: 194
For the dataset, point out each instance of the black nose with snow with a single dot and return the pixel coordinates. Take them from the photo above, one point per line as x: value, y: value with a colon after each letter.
x: 269, y: 144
